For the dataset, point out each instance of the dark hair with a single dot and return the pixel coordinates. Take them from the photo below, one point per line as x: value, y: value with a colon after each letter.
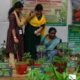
x: 16, y: 5
x: 52, y: 29
x: 38, y: 7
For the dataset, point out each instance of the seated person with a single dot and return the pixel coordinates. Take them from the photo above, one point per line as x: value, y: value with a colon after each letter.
x: 51, y: 41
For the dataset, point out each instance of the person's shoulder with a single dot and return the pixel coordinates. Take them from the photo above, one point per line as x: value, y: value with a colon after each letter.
x: 11, y: 15
x: 59, y: 39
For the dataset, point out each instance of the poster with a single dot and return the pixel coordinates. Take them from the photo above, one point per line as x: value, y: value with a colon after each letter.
x: 76, y: 11
x: 74, y: 38
x: 55, y: 10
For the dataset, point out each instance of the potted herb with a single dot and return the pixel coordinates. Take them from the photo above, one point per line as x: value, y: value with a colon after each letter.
x: 60, y: 76
x: 62, y: 57
x: 2, y: 52
x: 36, y: 74
x: 40, y: 61
x: 21, y: 66
x: 60, y: 61
x: 72, y: 64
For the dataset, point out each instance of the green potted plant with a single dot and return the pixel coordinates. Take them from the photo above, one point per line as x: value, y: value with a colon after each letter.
x: 65, y: 75
x: 27, y: 57
x: 40, y: 61
x: 62, y: 57
x: 36, y: 74
x: 21, y: 66
x: 60, y: 64
x: 2, y: 52
x: 60, y: 61
x: 72, y: 63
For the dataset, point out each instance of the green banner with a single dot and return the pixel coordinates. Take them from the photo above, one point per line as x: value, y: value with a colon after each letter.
x: 74, y: 38
x: 55, y: 10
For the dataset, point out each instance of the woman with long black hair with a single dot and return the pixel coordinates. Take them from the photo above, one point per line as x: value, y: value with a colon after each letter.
x: 14, y: 34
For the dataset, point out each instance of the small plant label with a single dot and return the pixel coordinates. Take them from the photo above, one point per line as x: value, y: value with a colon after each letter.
x: 72, y: 76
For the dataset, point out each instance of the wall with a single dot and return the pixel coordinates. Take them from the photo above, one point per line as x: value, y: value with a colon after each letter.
x: 4, y: 7
x: 62, y: 31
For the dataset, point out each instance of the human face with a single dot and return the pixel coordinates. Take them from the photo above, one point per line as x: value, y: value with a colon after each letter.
x: 52, y: 34
x: 39, y: 13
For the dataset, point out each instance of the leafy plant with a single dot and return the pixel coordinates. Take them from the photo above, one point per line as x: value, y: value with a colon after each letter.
x: 26, y: 56
x: 60, y: 59
x: 2, y: 52
x: 65, y: 47
x: 42, y: 60
x: 59, y: 76
x: 65, y: 74
x: 47, y: 67
x: 36, y: 74
x: 60, y: 62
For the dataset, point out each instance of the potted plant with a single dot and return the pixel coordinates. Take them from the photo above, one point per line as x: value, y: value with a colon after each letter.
x: 47, y: 69
x: 60, y: 64
x: 40, y: 61
x: 72, y: 64
x: 60, y: 61
x: 60, y: 76
x: 62, y: 57
x: 21, y: 66
x: 36, y: 74
x: 65, y: 75
x: 27, y: 57
x: 2, y: 52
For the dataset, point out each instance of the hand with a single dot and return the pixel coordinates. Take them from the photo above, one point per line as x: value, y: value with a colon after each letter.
x: 32, y: 14
x: 14, y: 12
x: 37, y: 33
x: 16, y: 40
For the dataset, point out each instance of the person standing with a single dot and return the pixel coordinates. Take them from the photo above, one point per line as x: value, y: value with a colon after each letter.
x: 14, y: 45
x: 33, y: 31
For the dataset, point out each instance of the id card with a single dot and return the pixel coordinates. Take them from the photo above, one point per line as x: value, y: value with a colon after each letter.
x: 20, y: 31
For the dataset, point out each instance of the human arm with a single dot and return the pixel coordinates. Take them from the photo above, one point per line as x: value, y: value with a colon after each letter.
x: 39, y: 30
x: 12, y: 27
x: 23, y: 20
x: 14, y: 36
x: 30, y: 16
x: 20, y: 21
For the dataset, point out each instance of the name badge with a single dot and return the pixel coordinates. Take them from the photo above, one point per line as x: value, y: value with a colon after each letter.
x: 20, y: 31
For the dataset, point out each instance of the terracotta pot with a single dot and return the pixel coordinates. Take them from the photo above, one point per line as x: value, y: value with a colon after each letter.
x: 21, y: 68
x: 60, y: 66
x: 37, y: 65
x: 71, y: 70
